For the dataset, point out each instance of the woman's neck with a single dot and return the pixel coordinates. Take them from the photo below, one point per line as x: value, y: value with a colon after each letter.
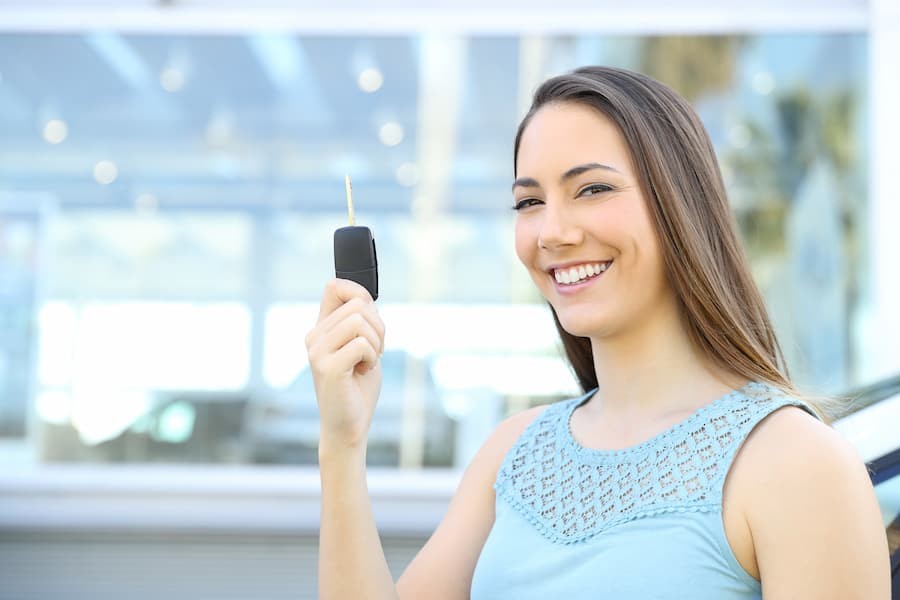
x: 654, y: 370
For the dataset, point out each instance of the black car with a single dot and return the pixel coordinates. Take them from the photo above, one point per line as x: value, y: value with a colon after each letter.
x: 873, y: 426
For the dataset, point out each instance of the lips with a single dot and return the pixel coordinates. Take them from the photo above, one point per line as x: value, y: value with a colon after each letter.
x: 568, y: 289
x: 573, y: 273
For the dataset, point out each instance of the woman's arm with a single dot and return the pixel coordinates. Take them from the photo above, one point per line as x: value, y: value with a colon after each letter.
x: 351, y: 560
x: 813, y: 515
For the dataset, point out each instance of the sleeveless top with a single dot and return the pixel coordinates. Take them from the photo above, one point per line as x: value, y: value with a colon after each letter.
x: 642, y: 523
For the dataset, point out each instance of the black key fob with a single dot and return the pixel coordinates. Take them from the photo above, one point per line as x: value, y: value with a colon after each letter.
x: 355, y: 258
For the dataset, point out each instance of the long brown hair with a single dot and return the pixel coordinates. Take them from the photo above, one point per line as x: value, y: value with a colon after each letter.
x: 704, y: 261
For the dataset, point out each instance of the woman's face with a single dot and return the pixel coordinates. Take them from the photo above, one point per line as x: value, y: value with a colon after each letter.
x: 583, y: 229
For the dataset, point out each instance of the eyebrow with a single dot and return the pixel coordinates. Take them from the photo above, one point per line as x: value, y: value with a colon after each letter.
x: 573, y: 172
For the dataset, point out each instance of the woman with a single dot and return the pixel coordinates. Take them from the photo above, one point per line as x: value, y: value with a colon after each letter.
x: 690, y: 468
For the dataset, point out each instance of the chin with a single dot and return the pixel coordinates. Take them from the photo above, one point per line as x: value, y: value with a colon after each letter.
x: 584, y: 332
x: 581, y: 325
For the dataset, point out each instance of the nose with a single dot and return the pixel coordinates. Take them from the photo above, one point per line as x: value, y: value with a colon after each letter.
x: 557, y: 228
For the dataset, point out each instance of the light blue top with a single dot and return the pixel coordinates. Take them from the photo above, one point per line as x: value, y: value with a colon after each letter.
x: 642, y: 523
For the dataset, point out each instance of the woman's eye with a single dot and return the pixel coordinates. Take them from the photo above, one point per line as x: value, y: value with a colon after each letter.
x: 594, y: 188
x: 525, y: 203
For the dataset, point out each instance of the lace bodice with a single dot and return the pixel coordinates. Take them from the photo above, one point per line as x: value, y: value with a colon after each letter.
x: 571, y: 493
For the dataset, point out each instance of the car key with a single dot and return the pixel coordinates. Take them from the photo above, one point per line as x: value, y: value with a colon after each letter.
x: 354, y: 251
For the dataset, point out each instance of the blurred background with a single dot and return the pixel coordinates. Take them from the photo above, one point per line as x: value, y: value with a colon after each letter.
x: 171, y: 174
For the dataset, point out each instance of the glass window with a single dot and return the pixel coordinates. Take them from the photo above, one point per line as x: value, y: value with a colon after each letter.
x: 167, y: 206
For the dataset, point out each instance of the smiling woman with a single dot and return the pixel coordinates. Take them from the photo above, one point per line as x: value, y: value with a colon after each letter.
x: 645, y: 138
x: 690, y: 455
x: 686, y: 394
x: 187, y: 280
x: 590, y: 213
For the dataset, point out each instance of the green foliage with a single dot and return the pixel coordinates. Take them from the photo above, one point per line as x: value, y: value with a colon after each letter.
x: 692, y: 65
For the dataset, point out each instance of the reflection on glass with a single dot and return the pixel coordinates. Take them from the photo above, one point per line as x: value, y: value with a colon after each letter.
x: 179, y: 289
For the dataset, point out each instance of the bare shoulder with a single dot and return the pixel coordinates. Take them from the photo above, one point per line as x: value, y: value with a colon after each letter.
x: 795, y: 438
x: 808, y: 500
x: 508, y: 431
x: 486, y: 463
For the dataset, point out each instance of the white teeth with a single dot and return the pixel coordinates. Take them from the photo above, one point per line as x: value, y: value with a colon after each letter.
x: 576, y: 274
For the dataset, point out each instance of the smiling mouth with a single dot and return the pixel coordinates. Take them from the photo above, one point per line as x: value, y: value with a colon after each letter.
x: 580, y: 274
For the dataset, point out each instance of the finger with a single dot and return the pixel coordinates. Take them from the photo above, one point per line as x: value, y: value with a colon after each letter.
x: 353, y: 306
x: 357, y: 352
x: 355, y: 325
x: 339, y: 291
x: 352, y: 326
x: 370, y: 312
x: 378, y: 324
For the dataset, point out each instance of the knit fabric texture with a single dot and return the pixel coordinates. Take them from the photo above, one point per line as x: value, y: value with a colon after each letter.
x: 570, y: 495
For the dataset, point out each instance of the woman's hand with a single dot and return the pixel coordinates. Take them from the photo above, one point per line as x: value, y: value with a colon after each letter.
x: 344, y: 350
